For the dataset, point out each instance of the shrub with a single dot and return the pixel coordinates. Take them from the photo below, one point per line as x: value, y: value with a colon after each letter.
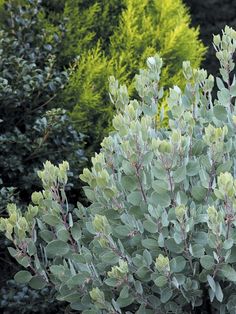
x: 31, y: 127
x: 138, y: 30
x: 147, y: 27
x: 159, y: 235
x: 86, y: 23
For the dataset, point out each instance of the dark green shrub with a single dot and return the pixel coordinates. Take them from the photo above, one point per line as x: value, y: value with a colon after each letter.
x: 159, y: 235
x: 31, y: 129
x: 18, y: 298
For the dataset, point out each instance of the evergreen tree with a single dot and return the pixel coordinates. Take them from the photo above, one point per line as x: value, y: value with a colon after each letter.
x: 147, y: 27
x: 144, y: 28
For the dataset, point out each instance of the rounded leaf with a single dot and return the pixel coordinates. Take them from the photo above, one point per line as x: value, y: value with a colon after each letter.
x: 57, y: 248
x: 22, y: 276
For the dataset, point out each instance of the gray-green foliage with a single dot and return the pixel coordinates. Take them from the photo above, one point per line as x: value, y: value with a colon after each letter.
x: 159, y: 235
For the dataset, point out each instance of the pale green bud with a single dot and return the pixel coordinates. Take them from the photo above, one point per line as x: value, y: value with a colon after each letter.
x: 11, y: 208
x: 200, y: 75
x: 13, y: 218
x: 215, y: 219
x: 101, y: 224
x: 9, y: 230
x: 36, y: 197
x: 226, y: 184
x: 3, y: 224
x: 165, y: 147
x: 131, y: 112
x: 216, y: 40
x: 97, y: 295
x: 119, y: 272
x: 103, y: 178
x: 212, y: 214
x: 23, y: 224
x: 118, y: 122
x: 180, y: 212
x: 107, y: 143
x: 176, y: 136
x: 86, y: 176
x: 162, y: 264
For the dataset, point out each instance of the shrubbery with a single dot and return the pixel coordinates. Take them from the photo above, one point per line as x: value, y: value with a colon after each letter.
x: 32, y: 126
x: 119, y: 46
x: 159, y: 235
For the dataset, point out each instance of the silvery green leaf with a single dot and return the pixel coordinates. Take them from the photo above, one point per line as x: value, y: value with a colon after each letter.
x: 161, y: 240
x: 179, y: 174
x: 199, y: 193
x: 51, y: 220
x: 110, y: 258
x: 220, y: 113
x: 129, y: 183
x: 124, y: 292
x: 63, y: 234
x: 211, y: 282
x: 177, y: 264
x: 160, y: 186
x: 150, y: 243
x: 229, y: 272
x: 220, y: 83
x: 218, y: 292
x: 123, y: 302
x: 135, y: 198
x: 197, y: 250
x: 57, y: 248
x: 166, y: 294
x: 192, y: 168
x: 180, y: 278
x: 164, y: 219
x: 37, y: 282
x: 178, y: 237
x: 207, y: 262
x: 147, y: 257
x: 216, y: 257
x: 204, y: 177
x: 228, y: 244
x: 160, y: 281
x: 212, y: 241
x: 224, y: 167
x: 173, y: 246
x: 162, y: 199
x: 150, y: 226
x: 23, y: 276
x: 31, y: 248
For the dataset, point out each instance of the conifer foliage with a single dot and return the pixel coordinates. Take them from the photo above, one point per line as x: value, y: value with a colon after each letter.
x: 138, y: 29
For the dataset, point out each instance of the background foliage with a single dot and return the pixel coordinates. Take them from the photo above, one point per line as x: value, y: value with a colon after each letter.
x: 31, y: 128
x: 137, y: 29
